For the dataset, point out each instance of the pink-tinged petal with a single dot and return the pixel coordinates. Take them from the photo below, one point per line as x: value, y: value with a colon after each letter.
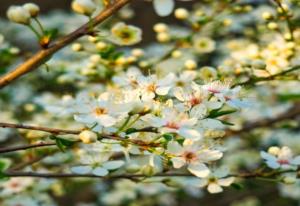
x: 226, y: 181
x: 214, y: 188
x: 199, y: 111
x: 296, y: 160
x: 199, y: 169
x: 163, y: 7
x: 178, y: 162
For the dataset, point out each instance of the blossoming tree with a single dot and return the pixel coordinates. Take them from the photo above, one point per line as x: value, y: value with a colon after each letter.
x: 212, y: 103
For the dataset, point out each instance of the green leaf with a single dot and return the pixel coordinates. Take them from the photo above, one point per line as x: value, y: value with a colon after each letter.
x: 237, y: 186
x: 226, y: 123
x: 4, y: 165
x: 131, y: 130
x: 62, y: 143
x: 288, y: 97
x: 217, y: 113
x: 168, y: 136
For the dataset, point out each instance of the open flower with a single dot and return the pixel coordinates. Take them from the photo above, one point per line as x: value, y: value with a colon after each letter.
x: 123, y: 34
x: 193, y: 156
x: 173, y: 121
x: 216, y: 180
x: 281, y: 158
x: 204, y: 44
x: 96, y: 162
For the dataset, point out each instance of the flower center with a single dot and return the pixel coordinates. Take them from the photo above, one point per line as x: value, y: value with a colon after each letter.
x: 283, y: 161
x: 194, y: 101
x: 98, y: 111
x: 151, y: 87
x: 172, y: 125
x: 189, y: 156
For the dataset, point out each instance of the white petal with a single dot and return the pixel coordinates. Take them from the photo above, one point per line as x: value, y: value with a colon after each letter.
x: 214, y: 188
x: 112, y: 165
x: 296, y: 161
x: 81, y: 169
x: 99, y: 171
x: 162, y: 90
x: 106, y: 120
x: 190, y: 134
x: 226, y: 181
x: 199, y: 169
x: 210, y: 155
x: 199, y: 111
x: 268, y: 156
x: 178, y: 162
x: 174, y: 147
x: 202, y: 182
x: 273, y: 164
x: 163, y: 7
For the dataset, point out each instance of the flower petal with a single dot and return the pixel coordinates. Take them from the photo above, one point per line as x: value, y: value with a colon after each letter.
x: 112, y: 165
x: 214, y: 188
x: 99, y: 171
x: 199, y: 169
x: 163, y: 7
x: 81, y: 169
x: 226, y: 181
x: 178, y: 162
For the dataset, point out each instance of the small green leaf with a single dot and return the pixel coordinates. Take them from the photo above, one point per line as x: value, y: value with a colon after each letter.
x: 226, y: 123
x: 217, y: 113
x: 237, y: 186
x: 4, y: 165
x: 168, y: 136
x: 131, y: 130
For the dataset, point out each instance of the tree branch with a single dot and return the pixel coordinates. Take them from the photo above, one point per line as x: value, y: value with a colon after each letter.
x: 43, y: 55
x: 25, y: 147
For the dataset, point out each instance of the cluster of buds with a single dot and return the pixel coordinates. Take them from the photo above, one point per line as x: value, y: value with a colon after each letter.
x: 23, y: 14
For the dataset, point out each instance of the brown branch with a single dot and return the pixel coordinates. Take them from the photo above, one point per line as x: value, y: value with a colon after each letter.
x: 292, y: 113
x: 25, y: 147
x: 43, y: 55
x: 244, y: 175
x: 38, y: 128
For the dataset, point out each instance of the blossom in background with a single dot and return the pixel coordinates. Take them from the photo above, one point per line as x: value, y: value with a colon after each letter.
x: 151, y: 85
x: 192, y: 155
x: 85, y: 7
x: 96, y: 162
x: 125, y: 35
x: 164, y: 7
x: 216, y: 180
x: 204, y: 44
x: 282, y: 158
x: 15, y: 185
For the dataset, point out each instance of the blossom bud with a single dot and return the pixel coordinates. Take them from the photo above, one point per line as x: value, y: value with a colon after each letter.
x: 274, y: 150
x: 181, y: 13
x: 85, y: 7
x: 137, y: 52
x: 32, y: 8
x: 289, y: 180
x: 132, y: 168
x: 160, y: 27
x: 88, y: 137
x: 76, y: 47
x: 101, y: 45
x: 171, y: 183
x: 148, y: 170
x: 190, y: 64
x: 272, y: 25
x: 176, y: 54
x: 18, y: 15
x: 163, y: 37
x: 267, y: 15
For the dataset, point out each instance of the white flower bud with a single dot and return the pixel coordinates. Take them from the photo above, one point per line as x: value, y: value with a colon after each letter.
x: 18, y: 15
x: 274, y: 150
x: 101, y: 45
x: 181, y: 13
x: 148, y: 170
x: 163, y: 37
x: 272, y: 25
x: 32, y: 8
x: 137, y: 52
x: 88, y: 137
x: 76, y: 47
x: 190, y: 64
x: 289, y: 180
x: 267, y: 15
x: 85, y: 7
x: 95, y: 58
x: 132, y: 168
x: 176, y: 54
x: 160, y: 27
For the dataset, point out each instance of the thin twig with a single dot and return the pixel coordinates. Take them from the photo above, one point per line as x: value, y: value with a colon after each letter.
x: 43, y: 55
x: 25, y: 147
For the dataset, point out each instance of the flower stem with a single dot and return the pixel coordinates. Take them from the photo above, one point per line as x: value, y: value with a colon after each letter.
x: 34, y: 31
x: 39, y: 24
